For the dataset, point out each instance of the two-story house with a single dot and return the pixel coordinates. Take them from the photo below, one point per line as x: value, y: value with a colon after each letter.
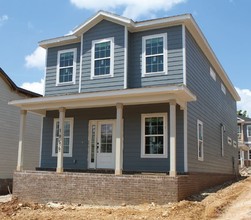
x: 9, y: 131
x: 137, y: 98
x: 244, y: 140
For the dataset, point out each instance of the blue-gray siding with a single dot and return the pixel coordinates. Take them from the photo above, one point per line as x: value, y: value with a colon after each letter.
x: 213, y: 108
x: 51, y: 72
x: 174, y: 59
x: 104, y: 29
x: 132, y: 138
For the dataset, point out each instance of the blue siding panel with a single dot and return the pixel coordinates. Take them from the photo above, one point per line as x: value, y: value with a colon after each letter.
x: 104, y: 29
x: 174, y: 59
x: 212, y: 107
x: 51, y: 72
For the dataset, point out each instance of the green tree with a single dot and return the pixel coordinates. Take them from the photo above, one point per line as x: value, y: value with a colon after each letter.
x: 242, y: 113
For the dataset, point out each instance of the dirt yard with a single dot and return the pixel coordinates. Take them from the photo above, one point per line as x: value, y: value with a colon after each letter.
x: 225, y: 202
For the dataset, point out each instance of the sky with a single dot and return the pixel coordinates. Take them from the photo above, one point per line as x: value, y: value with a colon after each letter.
x: 226, y: 25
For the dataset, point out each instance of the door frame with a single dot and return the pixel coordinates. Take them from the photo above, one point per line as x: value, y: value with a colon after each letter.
x: 93, y: 165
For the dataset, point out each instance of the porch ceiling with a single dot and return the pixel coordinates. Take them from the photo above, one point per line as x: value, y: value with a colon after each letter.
x: 137, y: 96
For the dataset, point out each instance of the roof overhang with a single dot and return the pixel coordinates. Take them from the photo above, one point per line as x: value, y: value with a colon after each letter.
x: 149, y: 95
x: 243, y: 146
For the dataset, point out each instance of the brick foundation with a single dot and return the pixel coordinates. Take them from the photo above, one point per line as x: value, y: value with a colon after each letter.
x: 5, y: 186
x: 104, y: 189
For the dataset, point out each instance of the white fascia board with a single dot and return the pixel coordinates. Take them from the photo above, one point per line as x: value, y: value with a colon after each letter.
x: 109, y: 98
x: 58, y: 41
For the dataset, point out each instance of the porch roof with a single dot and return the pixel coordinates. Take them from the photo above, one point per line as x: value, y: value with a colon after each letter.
x: 136, y: 96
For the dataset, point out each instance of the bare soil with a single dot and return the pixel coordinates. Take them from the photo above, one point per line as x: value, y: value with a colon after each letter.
x: 224, y: 202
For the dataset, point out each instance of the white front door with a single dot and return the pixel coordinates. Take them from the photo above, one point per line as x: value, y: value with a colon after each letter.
x: 101, y: 144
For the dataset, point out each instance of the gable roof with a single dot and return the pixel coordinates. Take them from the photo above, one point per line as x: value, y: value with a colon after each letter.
x: 186, y: 19
x: 14, y: 87
x: 243, y: 119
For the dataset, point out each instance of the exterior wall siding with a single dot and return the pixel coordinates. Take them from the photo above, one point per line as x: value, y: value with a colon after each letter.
x: 51, y: 72
x: 213, y: 108
x: 104, y: 29
x: 174, y: 59
x: 9, y: 134
x: 132, y: 138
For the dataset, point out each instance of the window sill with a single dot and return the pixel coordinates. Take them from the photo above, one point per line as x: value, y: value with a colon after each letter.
x: 153, y: 74
x: 65, y: 83
x: 153, y: 156
x: 65, y: 155
x: 102, y: 76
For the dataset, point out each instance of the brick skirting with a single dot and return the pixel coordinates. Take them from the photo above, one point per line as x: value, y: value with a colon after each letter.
x: 5, y: 186
x: 108, y: 189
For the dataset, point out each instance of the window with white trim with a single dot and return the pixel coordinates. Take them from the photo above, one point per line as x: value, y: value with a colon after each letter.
x: 249, y: 130
x: 200, y: 140
x: 102, y: 57
x: 154, y: 135
x: 234, y: 144
x: 239, y: 131
x: 66, y: 67
x: 223, y: 88
x: 229, y: 140
x: 212, y: 73
x: 68, y: 137
x: 154, y: 54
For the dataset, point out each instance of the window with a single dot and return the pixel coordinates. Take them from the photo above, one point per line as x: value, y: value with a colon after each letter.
x: 66, y: 67
x: 229, y: 140
x: 239, y: 131
x: 235, y: 144
x: 154, y: 135
x: 200, y: 140
x: 102, y: 57
x: 223, y: 88
x: 249, y: 130
x: 154, y: 58
x: 249, y: 154
x: 212, y: 74
x: 68, y: 137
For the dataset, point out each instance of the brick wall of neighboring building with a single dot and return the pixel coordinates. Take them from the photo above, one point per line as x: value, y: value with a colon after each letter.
x: 5, y: 186
x: 107, y: 189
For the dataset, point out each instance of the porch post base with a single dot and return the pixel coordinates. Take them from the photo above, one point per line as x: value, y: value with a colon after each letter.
x: 172, y: 173
x: 19, y: 168
x: 118, y: 172
x: 60, y: 170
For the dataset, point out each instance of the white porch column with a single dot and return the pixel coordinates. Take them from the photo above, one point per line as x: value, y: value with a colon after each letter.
x: 60, y: 158
x: 172, y: 171
x: 23, y: 114
x: 119, y: 140
x: 242, y: 158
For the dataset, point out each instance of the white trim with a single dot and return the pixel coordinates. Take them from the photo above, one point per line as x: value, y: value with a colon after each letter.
x: 125, y: 56
x: 234, y: 144
x: 165, y: 136
x: 247, y: 131
x: 81, y: 65
x: 143, y: 55
x: 198, y: 140
x: 71, y: 120
x: 212, y: 73
x: 94, y: 42
x: 185, y: 140
x: 45, y: 69
x: 41, y: 141
x: 74, y: 50
x: 249, y: 158
x: 184, y: 54
x: 119, y: 139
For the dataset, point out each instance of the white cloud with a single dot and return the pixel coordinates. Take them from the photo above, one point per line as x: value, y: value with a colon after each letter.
x: 3, y: 19
x: 36, y: 59
x: 245, y: 103
x: 131, y: 8
x: 37, y: 87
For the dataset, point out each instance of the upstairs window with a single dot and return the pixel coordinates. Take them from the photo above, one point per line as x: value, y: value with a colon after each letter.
x: 212, y: 73
x: 66, y: 70
x: 102, y: 57
x: 200, y: 140
x: 239, y: 132
x: 154, y: 58
x: 223, y: 88
x: 249, y: 130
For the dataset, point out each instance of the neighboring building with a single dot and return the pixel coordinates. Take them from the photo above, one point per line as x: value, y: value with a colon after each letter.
x: 244, y: 140
x: 9, y: 132
x: 132, y: 97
